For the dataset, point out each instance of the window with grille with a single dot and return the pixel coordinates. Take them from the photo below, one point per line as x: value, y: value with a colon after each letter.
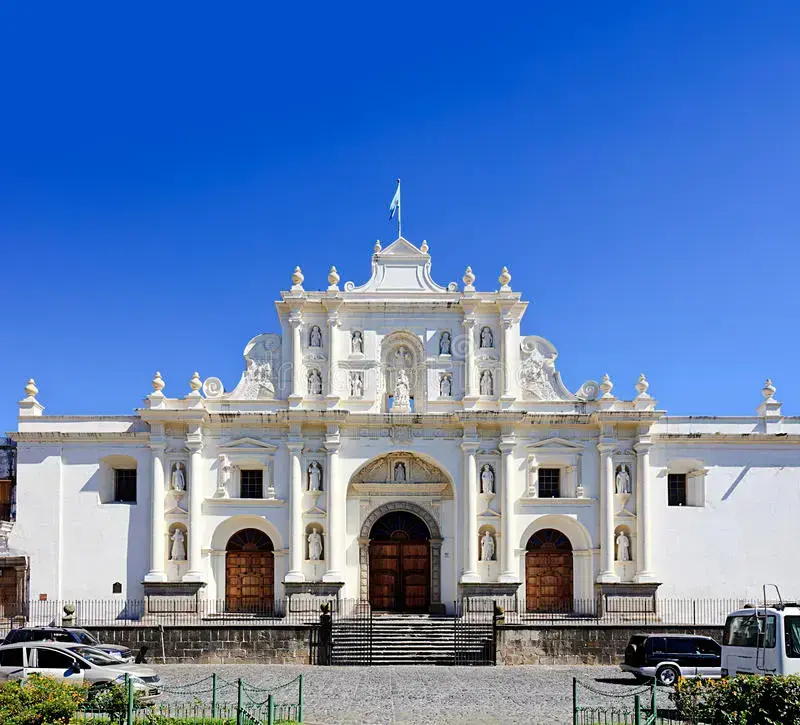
x: 549, y: 483
x: 676, y: 489
x: 251, y: 484
x: 125, y: 485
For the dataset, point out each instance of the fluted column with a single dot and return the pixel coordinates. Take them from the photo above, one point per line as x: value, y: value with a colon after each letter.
x: 336, y: 510
x: 469, y: 358
x: 470, y: 573
x: 507, y: 359
x: 296, y: 536
x: 157, y: 573
x: 333, y: 363
x: 643, y: 572
x: 607, y: 573
x: 508, y: 565
x: 195, y: 572
x: 295, y: 321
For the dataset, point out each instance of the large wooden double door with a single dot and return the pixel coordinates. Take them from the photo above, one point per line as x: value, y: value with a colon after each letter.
x: 548, y: 572
x: 399, y: 575
x: 249, y: 573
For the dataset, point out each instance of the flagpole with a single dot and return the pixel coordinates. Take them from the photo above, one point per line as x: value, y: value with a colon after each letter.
x: 399, y: 211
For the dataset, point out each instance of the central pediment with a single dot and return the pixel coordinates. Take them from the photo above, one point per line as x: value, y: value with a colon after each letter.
x: 400, y: 268
x: 401, y: 473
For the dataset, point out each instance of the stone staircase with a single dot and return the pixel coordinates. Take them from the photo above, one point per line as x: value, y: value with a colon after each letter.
x: 410, y: 639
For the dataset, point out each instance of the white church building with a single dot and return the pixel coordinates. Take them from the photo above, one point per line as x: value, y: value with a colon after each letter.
x: 407, y: 444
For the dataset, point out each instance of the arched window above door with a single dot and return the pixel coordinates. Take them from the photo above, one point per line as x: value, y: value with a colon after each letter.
x: 249, y: 540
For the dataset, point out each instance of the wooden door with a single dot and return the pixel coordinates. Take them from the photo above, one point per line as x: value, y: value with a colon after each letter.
x: 548, y: 581
x: 249, y: 577
x: 399, y: 575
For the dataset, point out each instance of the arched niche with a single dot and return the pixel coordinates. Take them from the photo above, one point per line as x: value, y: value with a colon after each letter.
x: 403, y: 350
x: 401, y: 472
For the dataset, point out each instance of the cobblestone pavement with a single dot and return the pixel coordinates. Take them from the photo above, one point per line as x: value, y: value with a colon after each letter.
x: 540, y: 694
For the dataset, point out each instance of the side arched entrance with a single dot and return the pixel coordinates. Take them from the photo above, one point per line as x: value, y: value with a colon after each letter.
x: 401, y: 559
x: 249, y: 572
x: 548, y: 572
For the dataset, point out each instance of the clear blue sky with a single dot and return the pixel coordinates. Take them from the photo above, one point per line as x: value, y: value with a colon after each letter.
x: 163, y: 167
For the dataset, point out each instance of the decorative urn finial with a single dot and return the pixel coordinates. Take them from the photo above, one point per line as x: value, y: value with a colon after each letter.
x: 377, y: 248
x: 642, y: 385
x: 606, y: 386
x: 424, y: 246
x: 30, y: 389
x: 158, y: 382
x: 469, y: 279
x: 297, y: 278
x: 333, y: 277
x: 768, y: 391
x: 195, y: 383
x: 504, y: 279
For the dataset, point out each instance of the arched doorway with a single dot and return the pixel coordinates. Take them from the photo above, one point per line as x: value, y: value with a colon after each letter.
x: 400, y: 563
x: 249, y: 572
x: 548, y: 572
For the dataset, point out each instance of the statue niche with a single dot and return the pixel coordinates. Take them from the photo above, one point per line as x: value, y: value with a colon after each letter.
x: 403, y: 377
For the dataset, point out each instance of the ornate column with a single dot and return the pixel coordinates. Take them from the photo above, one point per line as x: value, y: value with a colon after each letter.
x: 295, y: 573
x: 469, y: 358
x: 508, y: 573
x: 194, y: 443
x: 643, y: 573
x: 336, y: 510
x: 507, y: 361
x: 532, y: 484
x: 157, y: 532
x: 470, y: 573
x: 607, y: 573
x: 333, y: 325
x: 295, y: 321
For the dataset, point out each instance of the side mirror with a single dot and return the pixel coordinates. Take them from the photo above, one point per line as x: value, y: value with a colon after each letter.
x: 75, y: 666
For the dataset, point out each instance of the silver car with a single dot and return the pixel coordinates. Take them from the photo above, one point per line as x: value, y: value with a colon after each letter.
x: 73, y: 662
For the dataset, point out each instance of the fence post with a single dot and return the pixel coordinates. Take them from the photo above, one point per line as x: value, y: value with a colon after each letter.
x: 574, y: 701
x: 637, y: 710
x: 654, y: 713
x: 270, y: 711
x: 129, y: 693
x: 300, y: 699
x: 239, y: 702
x: 214, y: 694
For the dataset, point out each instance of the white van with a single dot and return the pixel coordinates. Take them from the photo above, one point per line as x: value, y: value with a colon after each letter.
x: 762, y: 641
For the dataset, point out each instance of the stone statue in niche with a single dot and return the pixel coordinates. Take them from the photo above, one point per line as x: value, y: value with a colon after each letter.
x: 623, y: 547
x: 356, y: 385
x: 444, y: 343
x: 622, y: 483
x: 446, y: 386
x: 486, y: 383
x: 315, y: 337
x: 178, y: 482
x: 400, y: 472
x: 402, y: 399
x: 314, y: 477
x: 402, y: 358
x: 357, y: 342
x: 487, y: 547
x: 178, y: 550
x: 487, y: 479
x: 314, y: 383
x: 314, y: 545
x: 487, y: 339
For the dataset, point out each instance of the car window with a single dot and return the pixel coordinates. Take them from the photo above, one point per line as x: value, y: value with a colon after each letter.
x: 749, y: 630
x: 13, y: 636
x: 707, y: 647
x: 680, y: 646
x: 59, y: 635
x: 11, y: 657
x: 50, y: 658
x: 657, y: 644
x: 83, y: 637
x: 96, y: 656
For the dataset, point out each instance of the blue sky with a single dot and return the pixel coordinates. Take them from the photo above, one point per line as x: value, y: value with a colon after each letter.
x: 163, y: 167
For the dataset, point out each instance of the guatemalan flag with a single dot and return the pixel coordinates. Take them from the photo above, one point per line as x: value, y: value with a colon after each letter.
x: 394, y: 207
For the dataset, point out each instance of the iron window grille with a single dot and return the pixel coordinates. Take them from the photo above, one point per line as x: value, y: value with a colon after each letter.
x: 549, y: 483
x: 676, y: 489
x: 125, y: 485
x: 251, y: 484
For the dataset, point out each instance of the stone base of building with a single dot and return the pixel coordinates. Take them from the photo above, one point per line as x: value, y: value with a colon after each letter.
x: 172, y: 597
x: 310, y: 596
x: 483, y: 596
x: 626, y: 597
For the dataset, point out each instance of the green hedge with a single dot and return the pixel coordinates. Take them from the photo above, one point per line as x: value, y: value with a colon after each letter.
x: 741, y: 700
x: 39, y: 701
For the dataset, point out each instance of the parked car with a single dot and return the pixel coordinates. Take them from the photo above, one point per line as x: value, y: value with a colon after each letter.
x: 66, y: 634
x: 762, y: 641
x: 666, y: 657
x: 75, y: 663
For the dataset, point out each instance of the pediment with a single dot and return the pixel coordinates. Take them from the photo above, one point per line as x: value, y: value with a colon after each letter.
x: 401, y: 247
x: 247, y: 445
x: 555, y: 443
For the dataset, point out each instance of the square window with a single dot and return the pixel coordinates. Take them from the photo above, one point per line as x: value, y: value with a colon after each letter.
x: 125, y: 485
x: 251, y: 483
x: 549, y: 483
x: 676, y: 489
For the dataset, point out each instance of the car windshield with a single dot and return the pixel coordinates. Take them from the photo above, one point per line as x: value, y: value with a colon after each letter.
x: 95, y: 656
x: 792, y: 628
x: 82, y: 636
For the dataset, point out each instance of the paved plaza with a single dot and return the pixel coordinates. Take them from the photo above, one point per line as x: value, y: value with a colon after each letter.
x: 427, y: 695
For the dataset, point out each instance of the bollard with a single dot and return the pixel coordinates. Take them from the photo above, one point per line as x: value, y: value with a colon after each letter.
x: 574, y: 701
x: 214, y: 695
x: 637, y: 710
x: 300, y: 700
x: 239, y: 703
x: 129, y: 693
x: 270, y: 711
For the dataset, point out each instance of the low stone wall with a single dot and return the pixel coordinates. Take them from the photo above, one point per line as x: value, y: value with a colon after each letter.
x: 577, y: 645
x: 214, y: 644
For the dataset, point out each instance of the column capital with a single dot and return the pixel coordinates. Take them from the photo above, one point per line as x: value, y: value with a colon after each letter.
x: 469, y: 446
x: 468, y: 322
x: 194, y: 446
x: 333, y: 319
x: 606, y: 448
x: 507, y: 445
x: 295, y: 318
x: 643, y: 445
x: 295, y: 446
x: 158, y: 446
x: 332, y: 445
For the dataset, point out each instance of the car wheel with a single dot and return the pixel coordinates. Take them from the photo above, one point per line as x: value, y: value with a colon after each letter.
x: 668, y: 675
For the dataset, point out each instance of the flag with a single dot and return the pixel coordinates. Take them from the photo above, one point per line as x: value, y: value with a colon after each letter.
x: 394, y: 207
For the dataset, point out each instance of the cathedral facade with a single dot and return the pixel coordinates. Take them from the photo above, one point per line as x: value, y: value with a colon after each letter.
x: 404, y: 443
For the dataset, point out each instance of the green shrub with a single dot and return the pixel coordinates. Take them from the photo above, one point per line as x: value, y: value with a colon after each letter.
x: 39, y: 701
x: 741, y: 700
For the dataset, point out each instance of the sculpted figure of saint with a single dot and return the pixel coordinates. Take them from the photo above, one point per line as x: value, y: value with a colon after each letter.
x: 487, y: 479
x: 357, y: 342
x: 622, y: 483
x: 623, y: 547
x: 314, y: 545
x: 444, y: 343
x: 178, y: 551
x: 178, y: 478
x: 314, y: 477
x: 399, y: 472
x: 487, y: 547
x: 315, y: 337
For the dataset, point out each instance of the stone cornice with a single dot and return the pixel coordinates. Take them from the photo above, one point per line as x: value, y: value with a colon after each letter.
x: 78, y: 436
x: 738, y: 438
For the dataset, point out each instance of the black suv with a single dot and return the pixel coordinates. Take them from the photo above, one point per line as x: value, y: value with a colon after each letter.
x: 666, y: 657
x: 66, y: 634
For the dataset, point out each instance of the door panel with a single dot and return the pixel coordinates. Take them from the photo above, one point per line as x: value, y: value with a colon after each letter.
x: 548, y: 581
x: 249, y: 577
x: 399, y: 575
